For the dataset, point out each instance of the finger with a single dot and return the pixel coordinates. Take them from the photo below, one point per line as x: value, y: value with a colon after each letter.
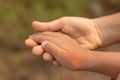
x: 40, y: 37
x: 47, y: 56
x: 48, y: 33
x: 38, y: 50
x: 55, y: 63
x: 30, y: 43
x: 37, y: 37
x: 47, y: 26
x: 52, y: 49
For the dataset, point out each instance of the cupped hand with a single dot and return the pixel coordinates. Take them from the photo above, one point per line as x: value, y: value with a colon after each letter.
x: 83, y: 30
x: 66, y: 51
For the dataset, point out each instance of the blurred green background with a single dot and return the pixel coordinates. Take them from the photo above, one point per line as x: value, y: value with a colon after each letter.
x: 16, y: 16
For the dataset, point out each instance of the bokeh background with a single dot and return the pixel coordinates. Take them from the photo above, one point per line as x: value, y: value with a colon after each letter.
x: 16, y: 16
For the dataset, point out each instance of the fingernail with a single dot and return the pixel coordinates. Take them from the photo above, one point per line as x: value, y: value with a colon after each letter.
x: 44, y: 43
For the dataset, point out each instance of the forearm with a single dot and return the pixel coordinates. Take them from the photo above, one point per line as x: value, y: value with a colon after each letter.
x: 107, y: 63
x: 109, y: 28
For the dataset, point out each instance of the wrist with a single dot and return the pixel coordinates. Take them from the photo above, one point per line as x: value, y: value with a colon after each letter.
x: 90, y: 61
x: 108, y: 29
x: 83, y: 62
x: 106, y: 65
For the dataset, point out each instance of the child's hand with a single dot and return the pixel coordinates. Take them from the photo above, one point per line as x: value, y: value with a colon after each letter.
x: 89, y: 33
x: 66, y: 51
x: 83, y: 30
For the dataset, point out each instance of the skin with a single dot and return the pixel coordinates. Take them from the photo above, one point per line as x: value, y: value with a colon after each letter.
x: 63, y: 47
x: 83, y: 30
x: 71, y: 55
x: 85, y: 34
x: 88, y: 33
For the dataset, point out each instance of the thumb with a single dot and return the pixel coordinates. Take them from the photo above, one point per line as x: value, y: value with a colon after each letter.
x: 46, y: 26
x: 52, y: 49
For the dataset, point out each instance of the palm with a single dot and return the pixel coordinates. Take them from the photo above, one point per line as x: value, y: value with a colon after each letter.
x: 83, y: 30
